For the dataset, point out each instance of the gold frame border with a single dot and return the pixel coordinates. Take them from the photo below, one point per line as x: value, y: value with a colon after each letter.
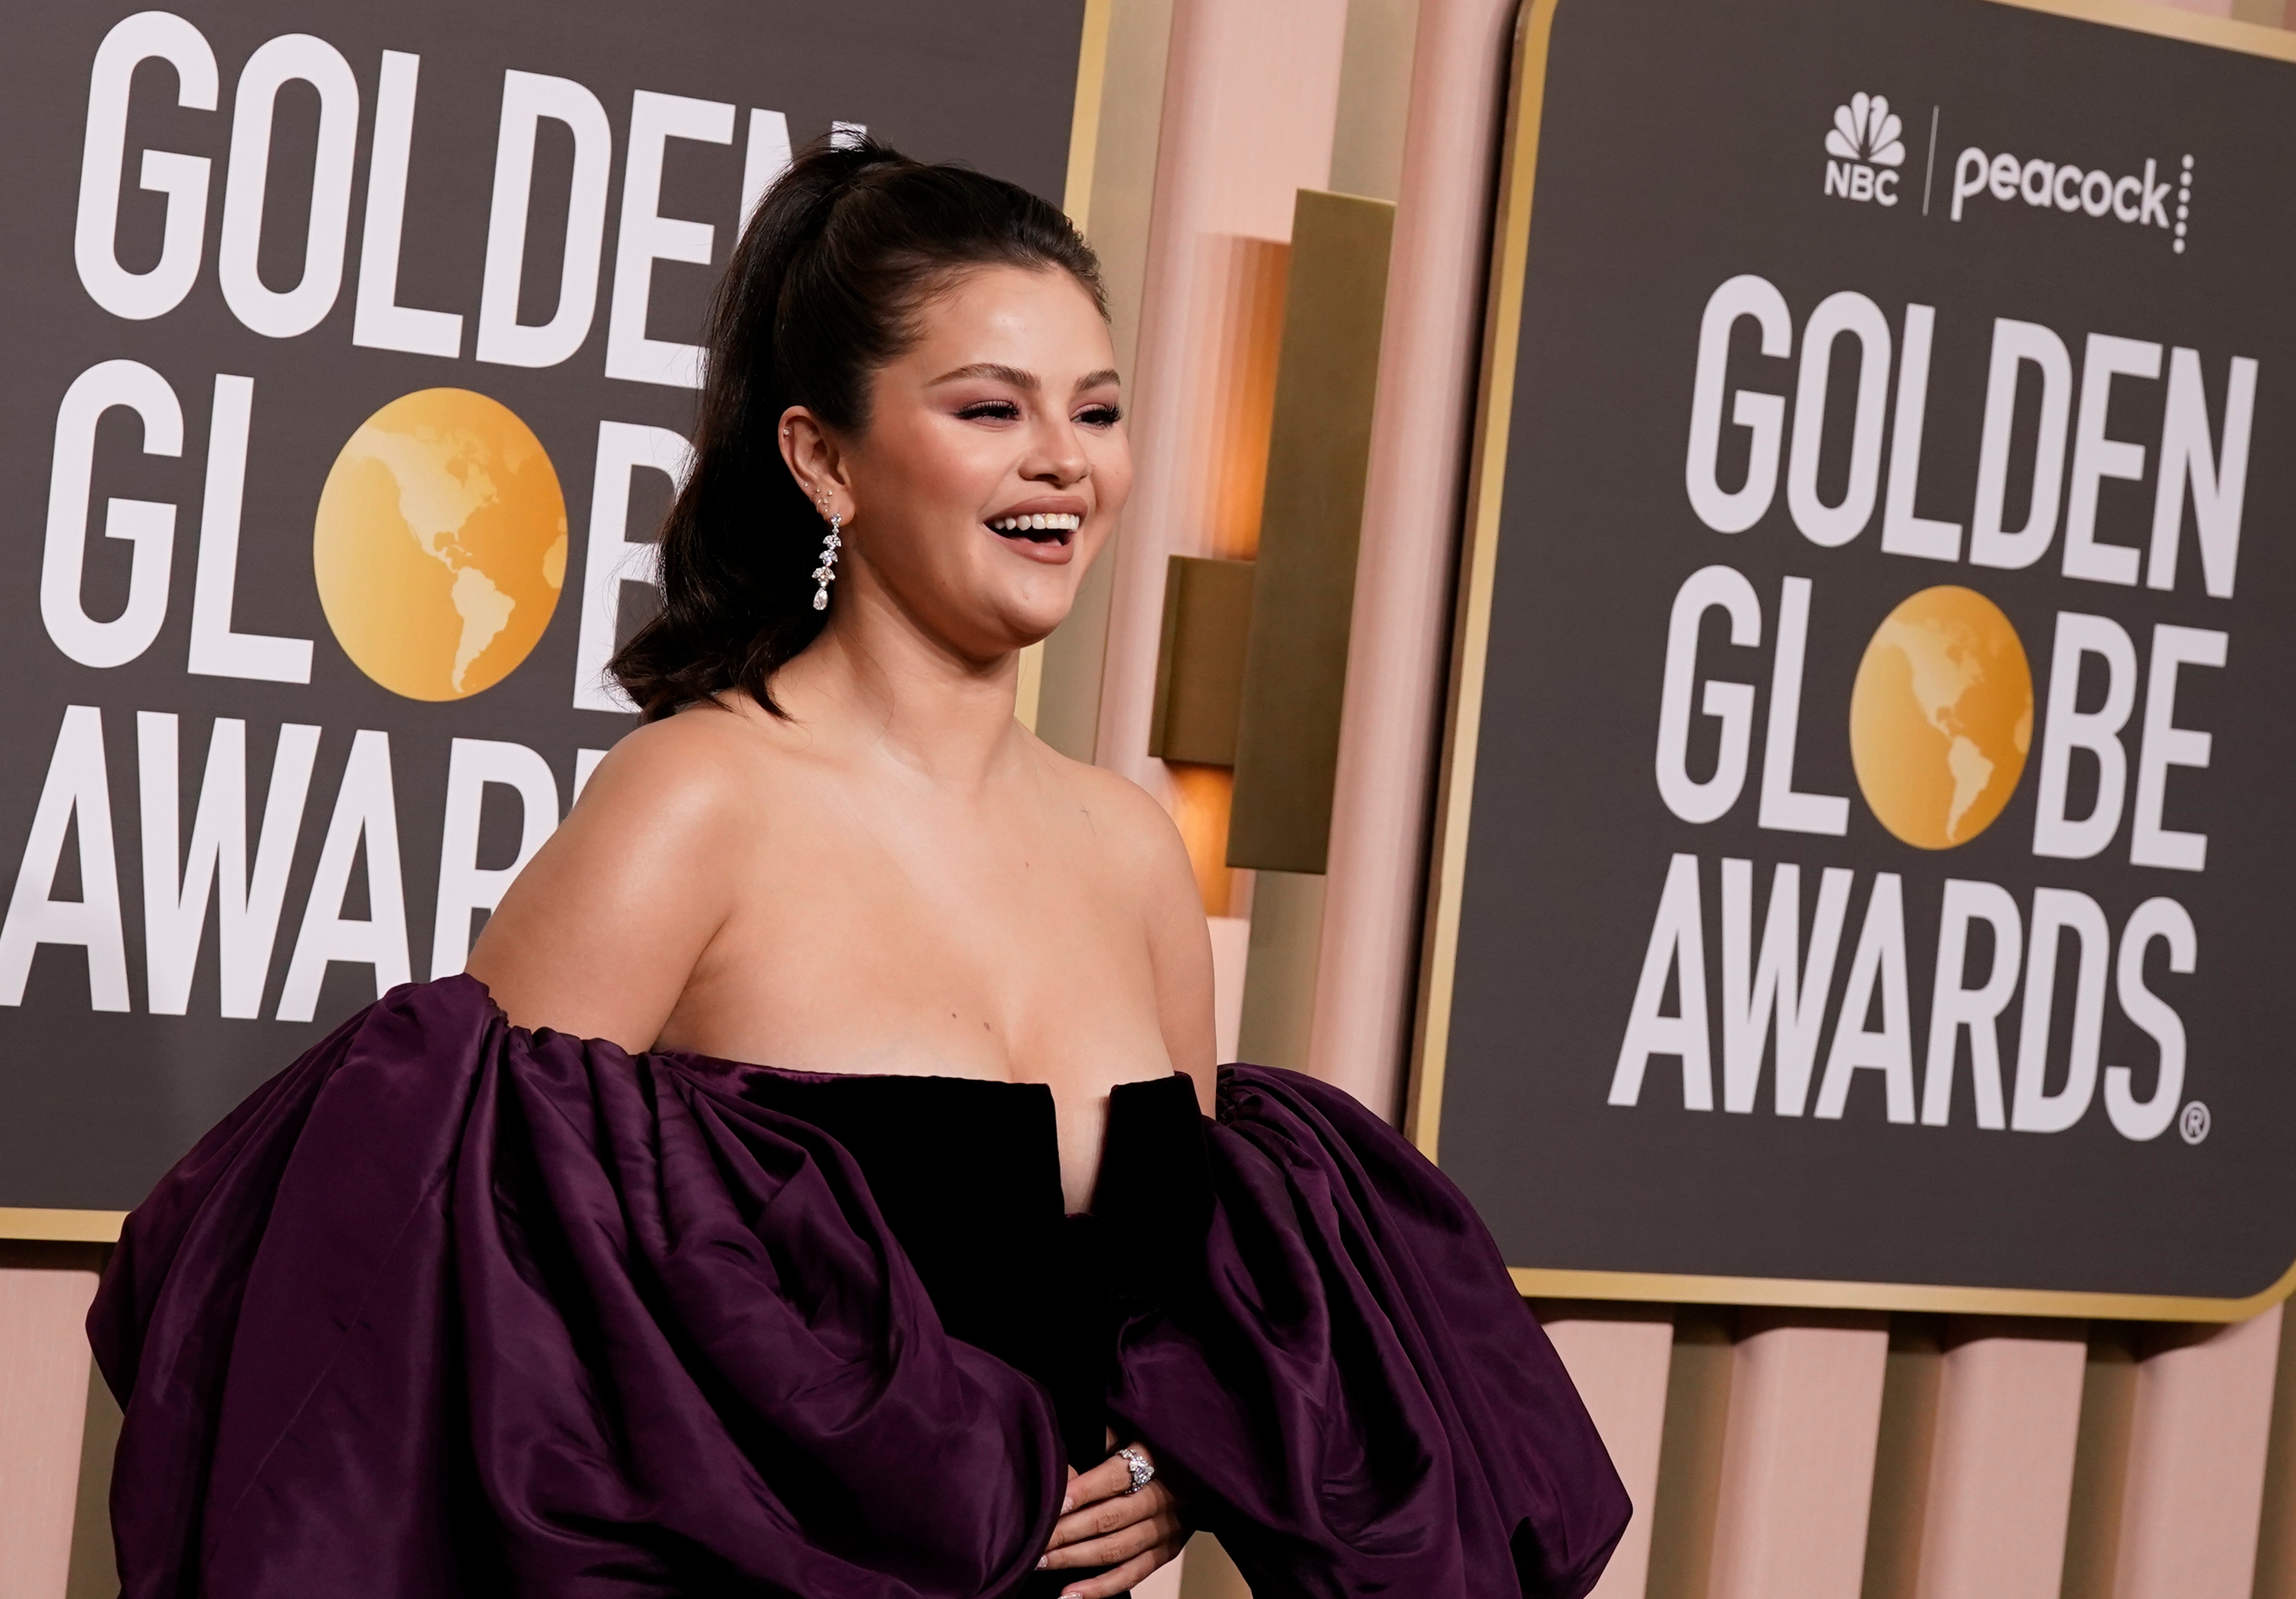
x: 26, y: 1224
x: 1462, y: 718
x: 19, y: 1223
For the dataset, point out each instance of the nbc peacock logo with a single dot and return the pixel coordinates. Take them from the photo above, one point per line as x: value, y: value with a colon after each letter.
x: 1865, y: 148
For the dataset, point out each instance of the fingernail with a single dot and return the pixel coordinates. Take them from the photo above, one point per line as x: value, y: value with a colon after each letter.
x: 1040, y: 1564
x: 1067, y: 1505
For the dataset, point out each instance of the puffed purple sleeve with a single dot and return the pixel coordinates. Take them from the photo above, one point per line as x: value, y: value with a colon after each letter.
x: 1356, y: 1400
x: 447, y: 1308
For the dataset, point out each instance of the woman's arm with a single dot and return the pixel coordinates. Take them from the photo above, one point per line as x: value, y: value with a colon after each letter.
x: 601, y: 931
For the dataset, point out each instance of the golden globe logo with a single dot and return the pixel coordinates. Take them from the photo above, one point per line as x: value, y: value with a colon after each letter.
x: 1866, y: 145
x: 440, y: 548
x: 1944, y: 717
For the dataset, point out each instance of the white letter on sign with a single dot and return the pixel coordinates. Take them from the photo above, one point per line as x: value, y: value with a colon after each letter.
x: 1859, y: 317
x: 2166, y: 745
x: 2096, y: 457
x: 1677, y: 943
x: 2219, y: 483
x: 2098, y: 732
x: 139, y: 296
x: 76, y: 796
x: 1763, y: 415
x: 527, y: 97
x: 1730, y: 704
x: 2054, y: 911
x: 1954, y: 1006
x: 2133, y: 1118
x: 147, y: 525
x: 1776, y: 986
x: 282, y: 314
x: 1784, y: 807
x: 2016, y: 345
x: 647, y: 237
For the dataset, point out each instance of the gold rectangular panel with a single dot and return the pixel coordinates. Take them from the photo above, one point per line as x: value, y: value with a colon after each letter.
x: 1288, y: 727
x: 1200, y: 667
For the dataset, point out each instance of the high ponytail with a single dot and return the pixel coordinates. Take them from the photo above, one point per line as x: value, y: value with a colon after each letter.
x: 825, y: 289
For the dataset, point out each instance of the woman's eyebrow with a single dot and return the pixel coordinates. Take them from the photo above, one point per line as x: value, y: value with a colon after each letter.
x: 994, y: 371
x: 1094, y: 379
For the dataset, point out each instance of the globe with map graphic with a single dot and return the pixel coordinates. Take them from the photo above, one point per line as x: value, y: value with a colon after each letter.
x: 440, y: 548
x: 1942, y: 717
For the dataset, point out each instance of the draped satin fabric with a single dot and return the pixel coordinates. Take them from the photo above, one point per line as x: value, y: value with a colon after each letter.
x: 450, y: 1308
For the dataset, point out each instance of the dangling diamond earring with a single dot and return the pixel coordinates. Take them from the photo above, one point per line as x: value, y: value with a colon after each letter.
x: 825, y: 573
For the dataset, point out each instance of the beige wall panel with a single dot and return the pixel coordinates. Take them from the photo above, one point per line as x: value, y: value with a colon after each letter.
x: 2197, y: 1438
x: 1279, y: 993
x: 2001, y: 1460
x: 44, y: 1363
x: 1256, y: 76
x: 1619, y: 1356
x: 2275, y: 1544
x: 1428, y: 358
x: 1165, y: 1584
x: 1798, y: 1457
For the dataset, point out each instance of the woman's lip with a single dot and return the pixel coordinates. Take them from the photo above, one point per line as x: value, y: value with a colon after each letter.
x: 1047, y: 548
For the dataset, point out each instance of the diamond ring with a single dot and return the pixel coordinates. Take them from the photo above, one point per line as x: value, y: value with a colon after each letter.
x: 1134, y: 1462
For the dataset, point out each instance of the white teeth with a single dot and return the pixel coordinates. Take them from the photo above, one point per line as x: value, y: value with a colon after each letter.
x: 1039, y: 522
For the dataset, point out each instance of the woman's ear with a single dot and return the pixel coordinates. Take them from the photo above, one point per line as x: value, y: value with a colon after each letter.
x: 816, y: 462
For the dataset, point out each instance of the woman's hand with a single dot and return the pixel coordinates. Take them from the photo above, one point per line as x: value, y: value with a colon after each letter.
x: 1103, y: 1525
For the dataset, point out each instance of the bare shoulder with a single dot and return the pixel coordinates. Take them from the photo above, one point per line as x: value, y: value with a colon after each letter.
x: 1126, y: 822
x: 599, y: 933
x: 688, y: 768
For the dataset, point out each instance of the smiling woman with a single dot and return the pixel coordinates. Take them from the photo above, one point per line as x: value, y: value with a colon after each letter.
x: 958, y: 1292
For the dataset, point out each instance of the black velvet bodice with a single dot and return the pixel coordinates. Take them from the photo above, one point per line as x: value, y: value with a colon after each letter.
x: 966, y: 1173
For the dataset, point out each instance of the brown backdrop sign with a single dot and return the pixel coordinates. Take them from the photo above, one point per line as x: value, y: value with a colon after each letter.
x: 1866, y: 838
x: 348, y: 367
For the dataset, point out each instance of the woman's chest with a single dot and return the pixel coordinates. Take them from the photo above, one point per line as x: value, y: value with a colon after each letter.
x: 1016, y: 957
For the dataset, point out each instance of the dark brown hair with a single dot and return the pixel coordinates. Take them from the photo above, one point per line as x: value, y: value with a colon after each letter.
x: 825, y: 288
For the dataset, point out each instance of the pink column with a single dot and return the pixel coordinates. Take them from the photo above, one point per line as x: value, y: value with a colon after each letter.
x: 2194, y: 1494
x: 1798, y: 1457
x: 44, y: 1363
x: 1250, y: 97
x: 2001, y: 1462
x: 1396, y: 668
x: 1618, y: 1359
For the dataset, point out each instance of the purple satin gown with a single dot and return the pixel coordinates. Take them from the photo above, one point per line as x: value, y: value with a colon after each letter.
x: 449, y: 1308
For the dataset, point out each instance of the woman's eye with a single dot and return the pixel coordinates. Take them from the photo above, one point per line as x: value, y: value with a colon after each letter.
x: 991, y: 411
x: 1100, y: 416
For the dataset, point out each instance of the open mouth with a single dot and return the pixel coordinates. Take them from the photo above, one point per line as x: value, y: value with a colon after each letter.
x: 1052, y: 527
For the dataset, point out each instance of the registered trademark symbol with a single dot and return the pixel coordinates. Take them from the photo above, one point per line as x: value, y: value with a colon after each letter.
x: 2193, y: 1121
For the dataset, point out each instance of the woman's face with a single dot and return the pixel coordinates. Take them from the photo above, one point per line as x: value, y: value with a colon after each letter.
x: 992, y: 466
